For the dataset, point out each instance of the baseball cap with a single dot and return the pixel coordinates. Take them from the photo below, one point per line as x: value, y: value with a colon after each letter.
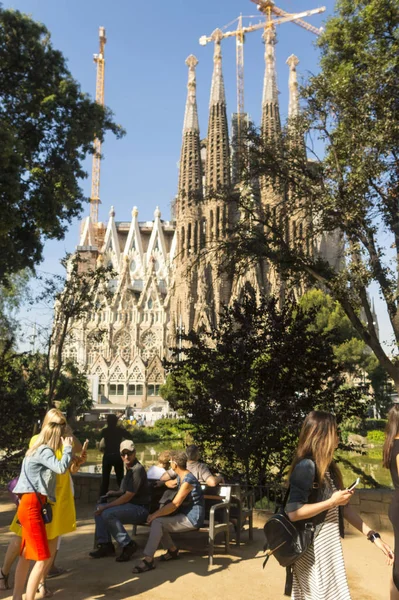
x: 127, y: 445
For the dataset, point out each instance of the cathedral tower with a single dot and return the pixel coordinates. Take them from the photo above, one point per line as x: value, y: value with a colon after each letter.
x: 188, y: 210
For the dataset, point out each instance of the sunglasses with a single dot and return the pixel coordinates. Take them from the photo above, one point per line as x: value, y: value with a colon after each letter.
x: 124, y: 454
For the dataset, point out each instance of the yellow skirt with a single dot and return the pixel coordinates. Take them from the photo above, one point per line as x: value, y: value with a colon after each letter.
x: 64, y: 514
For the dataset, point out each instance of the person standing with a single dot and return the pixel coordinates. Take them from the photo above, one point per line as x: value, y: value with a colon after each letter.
x: 64, y: 514
x: 112, y: 436
x: 316, y: 495
x: 390, y: 455
x: 36, y: 485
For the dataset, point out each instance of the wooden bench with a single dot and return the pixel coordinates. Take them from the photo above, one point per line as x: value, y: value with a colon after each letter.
x: 212, y: 526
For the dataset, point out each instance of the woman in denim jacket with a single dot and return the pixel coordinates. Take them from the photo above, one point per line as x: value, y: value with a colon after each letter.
x: 188, y: 513
x: 38, y: 474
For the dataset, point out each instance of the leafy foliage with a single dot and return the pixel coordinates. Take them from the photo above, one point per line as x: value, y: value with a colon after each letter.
x: 348, y: 193
x: 247, y: 385
x: 47, y: 128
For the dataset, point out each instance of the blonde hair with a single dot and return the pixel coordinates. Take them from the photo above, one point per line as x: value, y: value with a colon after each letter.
x: 391, y: 431
x: 54, y: 426
x: 318, y: 440
x: 164, y: 459
x: 53, y: 416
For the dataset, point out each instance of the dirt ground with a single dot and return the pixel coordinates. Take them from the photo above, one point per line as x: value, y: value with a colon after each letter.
x: 237, y: 576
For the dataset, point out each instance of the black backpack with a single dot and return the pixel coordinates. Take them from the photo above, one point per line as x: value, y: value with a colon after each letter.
x: 286, y: 541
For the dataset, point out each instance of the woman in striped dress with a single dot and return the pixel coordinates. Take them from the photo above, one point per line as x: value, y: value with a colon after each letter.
x: 317, y: 496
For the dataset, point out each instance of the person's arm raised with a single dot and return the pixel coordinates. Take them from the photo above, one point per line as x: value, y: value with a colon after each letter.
x: 307, y: 511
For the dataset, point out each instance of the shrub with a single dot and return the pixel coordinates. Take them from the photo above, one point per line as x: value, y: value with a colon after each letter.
x: 376, y: 437
x: 375, y: 424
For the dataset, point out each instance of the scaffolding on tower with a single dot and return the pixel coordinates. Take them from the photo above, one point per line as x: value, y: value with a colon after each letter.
x: 273, y: 16
x: 96, y: 167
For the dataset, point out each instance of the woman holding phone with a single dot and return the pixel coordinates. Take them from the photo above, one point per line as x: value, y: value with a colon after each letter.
x: 35, y: 487
x: 391, y: 461
x: 64, y: 515
x: 317, y: 496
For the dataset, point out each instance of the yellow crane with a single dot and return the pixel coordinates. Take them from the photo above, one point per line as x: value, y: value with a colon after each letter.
x: 95, y: 173
x: 270, y: 11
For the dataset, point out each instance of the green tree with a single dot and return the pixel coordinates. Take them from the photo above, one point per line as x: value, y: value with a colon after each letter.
x: 350, y: 190
x: 47, y: 128
x: 81, y: 290
x: 247, y: 385
x: 11, y: 298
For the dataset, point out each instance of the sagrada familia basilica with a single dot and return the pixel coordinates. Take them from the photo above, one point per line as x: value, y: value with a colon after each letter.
x: 166, y: 280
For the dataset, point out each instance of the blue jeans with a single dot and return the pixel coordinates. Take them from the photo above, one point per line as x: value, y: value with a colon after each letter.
x: 111, y: 521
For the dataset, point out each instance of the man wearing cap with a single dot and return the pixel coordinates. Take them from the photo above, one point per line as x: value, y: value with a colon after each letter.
x: 130, y: 506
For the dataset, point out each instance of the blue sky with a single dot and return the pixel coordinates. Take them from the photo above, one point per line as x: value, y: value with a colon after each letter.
x: 145, y: 85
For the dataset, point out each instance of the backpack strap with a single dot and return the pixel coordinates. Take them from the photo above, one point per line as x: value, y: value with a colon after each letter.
x: 289, y: 580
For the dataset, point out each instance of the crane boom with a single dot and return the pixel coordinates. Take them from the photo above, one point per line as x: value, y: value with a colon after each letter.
x: 95, y: 174
x: 269, y: 8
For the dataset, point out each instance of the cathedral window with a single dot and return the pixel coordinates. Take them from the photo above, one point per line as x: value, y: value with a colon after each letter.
x: 135, y: 389
x: 116, y: 389
x: 133, y: 266
x: 153, y: 389
x: 149, y: 303
x: 217, y: 221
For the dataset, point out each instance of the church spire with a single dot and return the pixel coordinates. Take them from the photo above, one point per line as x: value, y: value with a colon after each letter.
x: 218, y: 151
x: 293, y: 106
x: 190, y: 176
x: 270, y: 106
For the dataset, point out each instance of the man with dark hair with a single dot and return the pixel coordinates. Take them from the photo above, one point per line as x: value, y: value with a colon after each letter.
x: 131, y: 505
x: 111, y: 437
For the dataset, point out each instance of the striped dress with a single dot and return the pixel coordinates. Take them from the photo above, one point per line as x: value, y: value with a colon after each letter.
x: 320, y: 573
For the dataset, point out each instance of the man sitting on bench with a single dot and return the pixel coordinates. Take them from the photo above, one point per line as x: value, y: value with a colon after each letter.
x: 130, y: 506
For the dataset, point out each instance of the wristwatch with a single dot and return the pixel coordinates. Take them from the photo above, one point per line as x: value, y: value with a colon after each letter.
x: 372, y: 536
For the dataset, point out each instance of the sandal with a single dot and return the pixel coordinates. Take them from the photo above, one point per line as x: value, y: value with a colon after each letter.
x: 44, y: 591
x: 148, y: 566
x: 4, y: 581
x: 56, y: 572
x: 170, y: 555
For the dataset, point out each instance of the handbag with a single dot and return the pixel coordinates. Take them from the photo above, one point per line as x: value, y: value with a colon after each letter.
x: 287, y: 541
x: 10, y: 488
x: 45, y: 507
x: 284, y: 540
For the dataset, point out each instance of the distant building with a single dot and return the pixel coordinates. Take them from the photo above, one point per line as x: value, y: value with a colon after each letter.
x: 167, y: 280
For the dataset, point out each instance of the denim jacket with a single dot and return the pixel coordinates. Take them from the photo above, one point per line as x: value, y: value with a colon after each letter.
x: 41, y: 469
x: 304, y: 489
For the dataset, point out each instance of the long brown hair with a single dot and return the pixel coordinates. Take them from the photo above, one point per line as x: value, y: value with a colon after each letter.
x: 391, y: 431
x: 318, y: 440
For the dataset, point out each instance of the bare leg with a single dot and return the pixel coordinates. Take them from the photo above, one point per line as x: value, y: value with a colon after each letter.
x: 43, y: 589
x: 52, y: 544
x: 11, y: 555
x: 21, y: 574
x: 394, y: 591
x: 35, y: 577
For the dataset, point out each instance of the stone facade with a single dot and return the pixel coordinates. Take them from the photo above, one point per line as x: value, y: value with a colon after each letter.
x: 168, y: 276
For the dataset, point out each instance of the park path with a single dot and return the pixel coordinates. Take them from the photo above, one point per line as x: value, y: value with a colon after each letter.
x: 237, y: 576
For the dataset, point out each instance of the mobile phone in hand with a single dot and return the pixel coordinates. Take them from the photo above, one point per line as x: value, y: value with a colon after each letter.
x: 353, y: 485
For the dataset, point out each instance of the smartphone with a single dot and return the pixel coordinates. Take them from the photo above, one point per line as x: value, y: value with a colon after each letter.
x: 84, y: 447
x: 353, y: 485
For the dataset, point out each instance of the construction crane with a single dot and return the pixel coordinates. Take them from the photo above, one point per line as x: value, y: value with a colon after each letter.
x: 95, y: 174
x: 269, y: 9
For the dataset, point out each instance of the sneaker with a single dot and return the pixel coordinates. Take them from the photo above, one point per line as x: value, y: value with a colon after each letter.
x: 127, y: 552
x: 103, y: 550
